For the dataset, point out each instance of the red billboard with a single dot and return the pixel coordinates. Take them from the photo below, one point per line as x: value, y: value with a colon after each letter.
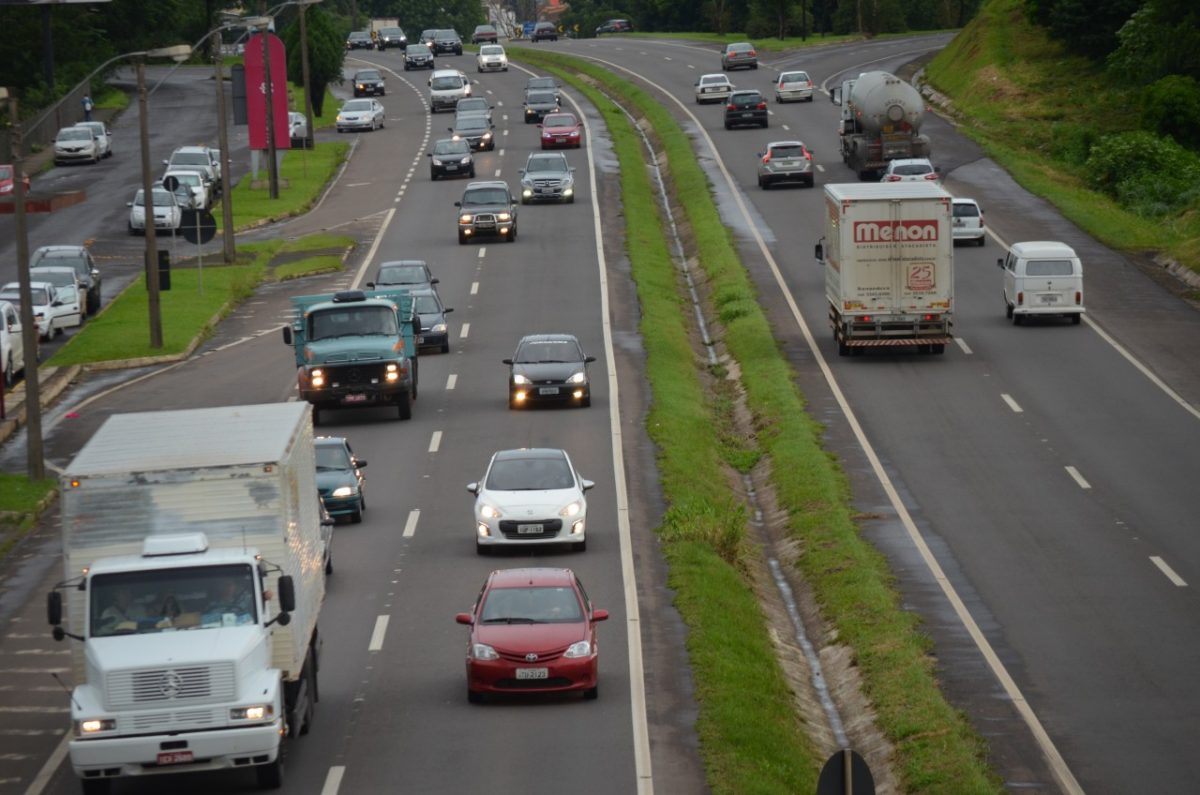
x: 256, y: 92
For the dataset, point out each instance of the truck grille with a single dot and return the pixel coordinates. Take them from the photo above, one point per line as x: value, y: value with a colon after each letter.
x: 485, y: 221
x: 547, y: 183
x: 178, y: 719
x: 351, y: 375
x: 198, y: 683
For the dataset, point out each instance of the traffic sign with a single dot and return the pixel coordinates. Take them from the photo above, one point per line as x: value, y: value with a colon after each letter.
x: 198, y: 226
x: 845, y: 773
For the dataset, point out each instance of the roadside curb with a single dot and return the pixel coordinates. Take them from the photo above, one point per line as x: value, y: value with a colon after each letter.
x: 52, y: 381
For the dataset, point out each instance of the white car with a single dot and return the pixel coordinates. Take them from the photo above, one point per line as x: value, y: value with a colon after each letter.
x: 968, y: 221
x: 62, y: 277
x: 530, y: 497
x: 167, y: 215
x: 446, y: 88
x: 76, y: 144
x: 53, y: 310
x: 713, y: 88
x: 910, y: 169
x: 103, y: 135
x: 794, y: 86
x: 194, y: 189
x: 360, y: 114
x: 297, y: 128
x: 197, y: 157
x: 12, y: 344
x: 491, y: 58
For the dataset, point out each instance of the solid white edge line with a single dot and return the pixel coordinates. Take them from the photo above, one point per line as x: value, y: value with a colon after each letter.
x: 435, y: 441
x: 333, y: 780
x: 43, y: 777
x: 1078, y: 478
x: 633, y: 632
x: 381, y: 624
x: 1012, y: 404
x: 1175, y: 579
x: 410, y: 526
x: 1058, y: 765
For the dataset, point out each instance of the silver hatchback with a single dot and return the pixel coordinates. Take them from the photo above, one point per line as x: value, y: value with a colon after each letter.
x: 785, y: 161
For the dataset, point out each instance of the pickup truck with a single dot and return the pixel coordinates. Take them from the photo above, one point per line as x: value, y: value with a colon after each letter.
x: 487, y: 208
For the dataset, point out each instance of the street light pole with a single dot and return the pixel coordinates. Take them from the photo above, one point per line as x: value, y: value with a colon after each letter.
x: 308, y: 117
x: 151, y: 254
x: 272, y: 167
x: 230, y: 249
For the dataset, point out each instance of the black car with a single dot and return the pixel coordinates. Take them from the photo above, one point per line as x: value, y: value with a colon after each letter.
x: 549, y: 367
x: 391, y: 37
x: 447, y: 41
x: 418, y: 56
x: 359, y: 40
x: 451, y: 158
x: 745, y: 108
x: 538, y: 104
x: 411, y: 273
x: 427, y: 36
x: 485, y: 34
x: 544, y: 31
x: 369, y: 82
x: 476, y: 131
x: 435, y: 332
x: 487, y: 208
x: 615, y: 26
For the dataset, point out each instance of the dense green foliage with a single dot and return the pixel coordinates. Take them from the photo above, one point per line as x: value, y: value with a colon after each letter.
x: 326, y: 52
x: 418, y: 15
x: 1146, y: 173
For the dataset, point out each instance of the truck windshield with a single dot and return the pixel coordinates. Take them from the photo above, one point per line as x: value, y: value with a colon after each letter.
x: 171, y: 600
x: 351, y: 321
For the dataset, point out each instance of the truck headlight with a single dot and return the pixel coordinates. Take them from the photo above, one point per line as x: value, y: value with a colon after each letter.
x: 520, y: 379
x: 465, y: 218
x: 503, y: 216
x: 392, y: 372
x: 95, y: 725
x: 256, y: 712
x: 317, y: 377
x: 342, y: 491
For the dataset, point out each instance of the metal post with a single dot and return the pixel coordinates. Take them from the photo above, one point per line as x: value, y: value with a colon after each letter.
x: 308, y: 125
x: 272, y: 166
x: 151, y: 269
x: 29, y: 335
x: 230, y: 250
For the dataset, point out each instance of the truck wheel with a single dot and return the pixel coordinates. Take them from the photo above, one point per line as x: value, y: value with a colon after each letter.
x: 405, y: 406
x: 1018, y: 319
x: 446, y: 346
x: 316, y: 411
x: 96, y: 786
x: 939, y: 348
x: 270, y: 776
x: 1076, y: 319
x: 843, y: 349
x: 1008, y: 311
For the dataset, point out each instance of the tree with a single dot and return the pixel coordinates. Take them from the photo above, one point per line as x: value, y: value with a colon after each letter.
x: 326, y: 52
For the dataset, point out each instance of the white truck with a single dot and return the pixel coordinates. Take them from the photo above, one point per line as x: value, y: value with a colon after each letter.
x: 888, y: 253
x: 195, y: 563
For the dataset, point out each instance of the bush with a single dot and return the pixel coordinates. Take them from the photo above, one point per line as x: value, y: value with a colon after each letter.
x: 1072, y: 143
x: 1148, y: 174
x: 1171, y: 106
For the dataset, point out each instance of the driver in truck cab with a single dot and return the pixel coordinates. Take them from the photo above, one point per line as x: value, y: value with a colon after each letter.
x: 228, y: 598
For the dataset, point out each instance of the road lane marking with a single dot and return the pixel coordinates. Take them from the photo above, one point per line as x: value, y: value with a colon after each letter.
x: 506, y: 133
x: 962, y: 344
x: 497, y: 172
x: 435, y: 442
x: 451, y: 381
x: 1012, y: 404
x: 52, y: 764
x: 1167, y: 570
x: 789, y: 129
x: 35, y: 709
x: 482, y: 252
x: 466, y: 329
x: 377, y: 636
x: 474, y: 288
x: 1078, y: 478
x: 691, y: 67
x: 410, y: 526
x: 333, y: 780
x: 502, y: 150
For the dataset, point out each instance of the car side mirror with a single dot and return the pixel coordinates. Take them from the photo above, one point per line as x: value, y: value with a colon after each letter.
x: 166, y: 162
x: 429, y: 154
x: 521, y: 172
x: 458, y: 204
x: 999, y: 263
x: 128, y: 204
x: 360, y: 463
x: 447, y: 310
x: 507, y: 361
x: 449, y: 129
x: 464, y: 618
x: 589, y: 359
x: 287, y: 335
x: 599, y: 614
x: 586, y: 484
x: 370, y: 285
x: 473, y: 488
x: 435, y: 281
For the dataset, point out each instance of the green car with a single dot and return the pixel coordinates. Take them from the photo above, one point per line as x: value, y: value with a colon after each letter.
x: 340, y: 480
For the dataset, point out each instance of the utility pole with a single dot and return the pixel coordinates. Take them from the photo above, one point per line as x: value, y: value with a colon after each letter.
x: 230, y: 251
x: 156, y: 336
x: 272, y: 166
x: 308, y: 117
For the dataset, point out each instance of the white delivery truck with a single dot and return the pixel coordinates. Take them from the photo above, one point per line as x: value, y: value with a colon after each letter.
x: 888, y: 253
x: 194, y: 560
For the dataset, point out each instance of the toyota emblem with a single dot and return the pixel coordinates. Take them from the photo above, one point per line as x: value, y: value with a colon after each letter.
x: 531, y: 657
x: 170, y: 684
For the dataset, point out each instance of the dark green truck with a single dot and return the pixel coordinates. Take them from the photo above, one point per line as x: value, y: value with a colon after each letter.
x: 355, y: 348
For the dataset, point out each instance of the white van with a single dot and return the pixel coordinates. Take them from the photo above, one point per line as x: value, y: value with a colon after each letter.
x: 1042, y: 278
x: 12, y: 345
x: 446, y: 88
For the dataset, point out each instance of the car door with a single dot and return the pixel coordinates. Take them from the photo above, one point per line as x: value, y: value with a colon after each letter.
x: 66, y: 307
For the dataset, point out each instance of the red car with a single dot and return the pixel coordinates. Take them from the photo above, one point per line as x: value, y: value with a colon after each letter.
x: 532, y: 631
x: 561, y: 129
x: 6, y: 180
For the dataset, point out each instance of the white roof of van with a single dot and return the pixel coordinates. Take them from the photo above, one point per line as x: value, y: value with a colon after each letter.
x: 857, y: 191
x: 1043, y: 248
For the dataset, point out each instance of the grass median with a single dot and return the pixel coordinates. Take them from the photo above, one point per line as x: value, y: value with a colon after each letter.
x: 752, y: 741
x: 306, y: 171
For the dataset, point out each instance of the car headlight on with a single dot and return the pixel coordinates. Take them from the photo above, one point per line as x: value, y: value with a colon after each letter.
x: 256, y: 712
x: 343, y: 491
x: 482, y: 651
x: 457, y: 137
x: 94, y: 726
x: 317, y: 377
x: 572, y: 509
x: 568, y: 191
x: 581, y: 649
x: 361, y: 86
x: 466, y: 218
x: 520, y: 379
x: 527, y: 192
x: 503, y: 216
x: 489, y: 511
x: 465, y: 161
x: 546, y: 134
x: 439, y: 328
x: 578, y: 378
x: 340, y: 117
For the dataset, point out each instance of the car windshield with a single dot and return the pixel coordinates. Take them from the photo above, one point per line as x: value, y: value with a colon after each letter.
x: 471, y: 123
x: 66, y: 257
x: 473, y: 104
x: 171, y: 599
x: 1049, y: 267
x: 426, y: 305
x: 789, y: 150
x: 912, y: 169
x: 332, y: 458
x: 417, y: 49
x: 543, y: 473
x: 402, y: 274
x: 391, y: 33
x: 345, y: 322
x: 794, y: 77
x: 491, y: 49
x: 486, y: 196
x: 560, y: 120
x: 190, y: 159
x: 357, y: 106
x: 542, y: 98
x: 962, y: 210
x: 714, y: 80
x: 191, y: 179
x: 359, y: 35
x: 6, y: 172
x: 370, y: 74
x: 447, y: 82
x: 544, y: 164
x: 451, y: 148
x: 162, y: 198
x: 749, y: 98
x: 444, y: 35
x: 10, y: 293
x: 95, y: 126
x: 531, y: 605
x: 540, y: 82
x: 77, y: 134
x: 59, y: 278
x: 545, y: 351
x: 739, y: 48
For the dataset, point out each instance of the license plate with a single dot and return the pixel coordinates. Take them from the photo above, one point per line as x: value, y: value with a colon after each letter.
x: 452, y: 168
x: 548, y: 390
x: 177, y: 757
x: 1050, y: 299
x: 354, y: 399
x: 533, y: 673
x: 530, y: 529
x: 747, y: 115
x: 421, y: 340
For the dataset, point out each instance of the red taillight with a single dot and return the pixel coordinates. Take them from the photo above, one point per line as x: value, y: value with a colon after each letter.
x: 807, y: 155
x: 930, y: 317
x: 753, y: 54
x: 1078, y: 298
x: 766, y: 158
x: 1020, y: 299
x: 981, y: 220
x: 761, y: 106
x: 932, y: 176
x: 731, y: 106
x: 892, y: 178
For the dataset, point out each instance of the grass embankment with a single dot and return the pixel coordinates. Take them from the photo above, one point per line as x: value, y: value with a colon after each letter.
x: 752, y: 740
x: 306, y: 172
x: 1036, y: 110
x: 763, y: 44
x: 329, y: 110
x: 121, y: 331
x: 20, y: 498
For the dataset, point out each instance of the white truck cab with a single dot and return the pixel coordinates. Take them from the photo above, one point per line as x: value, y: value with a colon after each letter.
x: 1042, y: 278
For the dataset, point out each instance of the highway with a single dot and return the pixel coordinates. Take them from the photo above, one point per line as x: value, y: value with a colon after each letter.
x: 1048, y: 474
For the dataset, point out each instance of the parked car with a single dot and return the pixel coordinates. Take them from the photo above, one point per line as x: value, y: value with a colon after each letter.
x: 785, y: 161
x: 474, y: 106
x: 391, y: 37
x: 910, y: 169
x: 485, y: 34
x: 78, y: 259
x: 491, y: 58
x: 76, y: 145
x: 713, y: 88
x: 446, y: 88
x: 795, y: 86
x: 202, y: 157
x: 12, y: 344
x: 968, y: 221
x: 739, y: 55
x: 486, y: 208
x: 745, y: 108
x: 6, y: 180
x: 53, y: 311
x: 615, y: 26
x: 369, y: 82
x: 359, y: 40
x: 547, y: 177
x: 532, y: 630
x: 166, y: 212
x: 411, y: 273
x: 297, y: 128
x: 62, y: 277
x: 538, y: 103
x: 418, y: 56
x: 544, y: 31
x: 451, y: 158
x: 446, y: 41
x: 549, y: 368
x: 435, y: 331
x: 530, y: 497
x: 475, y: 130
x: 103, y: 135
x: 360, y: 114
x: 1042, y: 278
x: 194, y: 190
x: 340, y: 480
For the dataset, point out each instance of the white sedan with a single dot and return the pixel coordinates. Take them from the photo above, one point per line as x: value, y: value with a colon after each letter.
x: 54, y: 308
x: 167, y: 215
x: 713, y: 88
x: 76, y: 144
x: 794, y: 86
x: 193, y: 189
x: 491, y: 58
x: 103, y: 135
x: 530, y: 497
x: 360, y: 114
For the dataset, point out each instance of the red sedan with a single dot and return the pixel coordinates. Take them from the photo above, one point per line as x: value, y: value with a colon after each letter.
x: 561, y: 129
x: 6, y: 180
x: 532, y: 630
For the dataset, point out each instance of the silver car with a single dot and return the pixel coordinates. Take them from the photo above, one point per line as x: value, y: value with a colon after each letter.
x: 785, y: 161
x: 713, y: 88
x: 360, y: 114
x: 547, y: 177
x: 794, y: 86
x: 76, y: 144
x: 103, y: 135
x: 738, y: 56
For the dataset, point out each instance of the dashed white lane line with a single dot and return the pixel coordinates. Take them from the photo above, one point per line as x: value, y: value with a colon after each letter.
x: 1078, y: 478
x: 1012, y: 404
x: 502, y: 151
x: 482, y: 252
x: 435, y: 441
x: 333, y: 780
x: 376, y: 643
x: 474, y: 288
x: 691, y: 67
x: 958, y: 340
x: 506, y: 133
x: 451, y: 381
x: 666, y: 57
x: 35, y: 709
x: 466, y: 329
x: 410, y: 526
x: 1175, y: 579
x: 503, y: 118
x: 499, y: 103
x: 786, y: 127
x: 497, y: 172
x: 43, y: 777
x: 821, y: 168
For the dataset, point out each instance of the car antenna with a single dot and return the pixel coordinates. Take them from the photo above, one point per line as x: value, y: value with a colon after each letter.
x: 69, y: 691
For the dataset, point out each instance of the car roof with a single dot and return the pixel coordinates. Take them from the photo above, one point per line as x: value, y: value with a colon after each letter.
x: 1043, y: 248
x: 392, y: 263
x: 911, y: 161
x: 490, y: 183
x: 793, y: 72
x: 60, y: 249
x: 191, y: 150
x: 329, y: 441
x: 445, y: 73
x: 961, y: 200
x: 747, y: 91
x: 516, y: 578
x: 785, y: 143
x: 740, y: 45
x: 527, y: 453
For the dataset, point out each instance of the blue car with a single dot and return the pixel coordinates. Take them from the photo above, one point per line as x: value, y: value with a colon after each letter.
x: 340, y: 480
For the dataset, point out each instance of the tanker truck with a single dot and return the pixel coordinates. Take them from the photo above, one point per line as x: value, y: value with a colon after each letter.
x: 881, y: 121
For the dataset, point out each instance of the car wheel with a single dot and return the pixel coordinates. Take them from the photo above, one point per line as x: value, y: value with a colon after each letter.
x: 512, y: 233
x: 482, y: 550
x: 462, y: 239
x: 754, y: 66
x: 10, y: 377
x: 728, y: 126
x: 356, y: 517
x: 1076, y: 319
x: 592, y: 693
x: 1018, y: 319
x: 433, y: 175
x: 1008, y: 311
x: 982, y: 240
x: 446, y: 346
x: 524, y: 200
x: 571, y: 199
x: 764, y: 124
x: 762, y: 183
x: 132, y: 231
x: 472, y: 172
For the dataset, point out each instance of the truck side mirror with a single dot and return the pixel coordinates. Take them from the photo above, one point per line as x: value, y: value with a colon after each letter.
x: 370, y: 285
x: 287, y: 335
x: 287, y: 594
x: 54, y: 608
x: 819, y: 252
x: 999, y: 262
x: 835, y: 96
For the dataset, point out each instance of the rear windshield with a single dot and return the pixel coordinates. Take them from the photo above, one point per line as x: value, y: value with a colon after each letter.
x: 746, y: 99
x: 787, y: 151
x: 486, y: 196
x: 446, y: 83
x: 1049, y: 267
x: 794, y: 77
x: 912, y: 170
x: 966, y: 211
